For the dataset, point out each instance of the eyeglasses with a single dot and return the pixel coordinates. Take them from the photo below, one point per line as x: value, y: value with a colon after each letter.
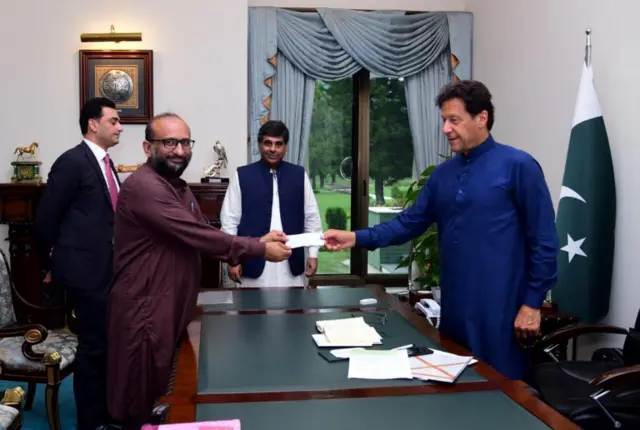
x: 375, y: 320
x: 172, y: 143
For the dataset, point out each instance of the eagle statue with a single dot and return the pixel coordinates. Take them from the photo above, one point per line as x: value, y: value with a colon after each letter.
x: 222, y: 154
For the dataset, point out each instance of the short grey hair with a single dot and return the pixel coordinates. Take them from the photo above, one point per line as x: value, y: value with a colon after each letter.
x: 148, y: 131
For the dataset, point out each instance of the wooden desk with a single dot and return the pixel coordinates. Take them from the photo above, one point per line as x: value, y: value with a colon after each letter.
x: 251, y: 391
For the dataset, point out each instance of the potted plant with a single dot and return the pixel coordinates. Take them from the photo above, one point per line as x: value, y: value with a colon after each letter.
x: 425, y: 250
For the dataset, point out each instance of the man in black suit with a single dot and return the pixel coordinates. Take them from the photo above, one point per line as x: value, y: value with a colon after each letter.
x: 74, y: 225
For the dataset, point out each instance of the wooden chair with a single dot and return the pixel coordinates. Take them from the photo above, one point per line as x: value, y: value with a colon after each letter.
x: 11, y: 408
x: 31, y: 353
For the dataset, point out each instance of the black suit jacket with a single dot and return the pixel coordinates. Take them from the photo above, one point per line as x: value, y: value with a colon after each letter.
x: 75, y: 218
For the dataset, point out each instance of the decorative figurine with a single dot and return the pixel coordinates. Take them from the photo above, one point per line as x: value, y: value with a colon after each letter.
x: 212, y: 173
x: 127, y: 168
x: 26, y: 168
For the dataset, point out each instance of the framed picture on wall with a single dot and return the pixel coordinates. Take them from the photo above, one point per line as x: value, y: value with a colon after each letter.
x: 126, y: 77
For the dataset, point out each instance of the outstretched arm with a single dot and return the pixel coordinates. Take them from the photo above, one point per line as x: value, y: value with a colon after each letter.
x: 157, y: 206
x: 409, y: 224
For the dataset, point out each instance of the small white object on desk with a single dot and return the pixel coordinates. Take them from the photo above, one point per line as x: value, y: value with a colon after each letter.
x: 305, y: 240
x: 367, y: 302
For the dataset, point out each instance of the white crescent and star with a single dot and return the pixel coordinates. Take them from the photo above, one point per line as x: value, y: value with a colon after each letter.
x: 573, y: 247
x: 568, y: 192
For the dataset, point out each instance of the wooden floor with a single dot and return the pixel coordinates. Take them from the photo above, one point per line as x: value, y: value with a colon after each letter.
x: 184, y: 396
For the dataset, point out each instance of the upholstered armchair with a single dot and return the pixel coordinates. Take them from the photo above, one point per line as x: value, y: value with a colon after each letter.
x: 603, y: 393
x: 31, y: 353
x: 11, y: 408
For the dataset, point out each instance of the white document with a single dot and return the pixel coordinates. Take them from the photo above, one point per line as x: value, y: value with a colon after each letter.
x: 305, y: 240
x: 346, y: 332
x: 344, y: 352
x: 340, y: 323
x: 392, y: 364
x: 439, y: 366
x: 353, y: 336
x: 215, y: 298
x: 322, y: 342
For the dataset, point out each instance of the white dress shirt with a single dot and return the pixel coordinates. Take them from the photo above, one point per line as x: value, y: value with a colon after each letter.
x: 274, y: 274
x: 100, y: 154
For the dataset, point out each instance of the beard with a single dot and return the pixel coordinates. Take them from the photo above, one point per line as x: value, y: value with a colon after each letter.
x: 164, y: 166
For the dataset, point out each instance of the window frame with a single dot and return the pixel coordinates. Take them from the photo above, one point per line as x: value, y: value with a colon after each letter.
x: 360, y: 151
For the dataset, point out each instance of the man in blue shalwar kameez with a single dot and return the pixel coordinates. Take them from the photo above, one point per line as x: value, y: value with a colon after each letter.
x: 497, y: 234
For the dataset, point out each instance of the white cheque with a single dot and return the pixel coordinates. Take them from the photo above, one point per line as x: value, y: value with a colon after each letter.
x: 305, y: 240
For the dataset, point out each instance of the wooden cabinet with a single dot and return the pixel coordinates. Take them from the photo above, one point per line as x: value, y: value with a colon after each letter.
x: 210, y: 198
x: 18, y: 206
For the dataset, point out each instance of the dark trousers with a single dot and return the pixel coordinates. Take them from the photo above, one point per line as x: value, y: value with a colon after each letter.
x: 89, y: 381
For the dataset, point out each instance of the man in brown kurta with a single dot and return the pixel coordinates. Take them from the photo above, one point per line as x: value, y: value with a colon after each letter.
x: 158, y: 238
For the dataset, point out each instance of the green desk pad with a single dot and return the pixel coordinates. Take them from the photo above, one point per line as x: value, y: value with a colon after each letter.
x: 275, y: 352
x: 310, y: 298
x: 479, y: 410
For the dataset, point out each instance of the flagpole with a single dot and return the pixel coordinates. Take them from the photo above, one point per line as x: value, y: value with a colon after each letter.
x: 587, y: 48
x: 548, y: 301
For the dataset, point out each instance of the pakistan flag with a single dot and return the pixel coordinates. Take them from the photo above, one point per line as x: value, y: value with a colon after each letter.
x: 586, y: 213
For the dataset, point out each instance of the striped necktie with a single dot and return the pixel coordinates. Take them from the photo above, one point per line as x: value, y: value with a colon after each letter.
x: 111, y: 181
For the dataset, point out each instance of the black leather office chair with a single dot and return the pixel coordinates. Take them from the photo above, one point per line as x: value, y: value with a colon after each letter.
x: 600, y: 394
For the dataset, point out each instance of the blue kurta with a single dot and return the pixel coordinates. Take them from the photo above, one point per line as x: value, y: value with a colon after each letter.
x: 498, y: 246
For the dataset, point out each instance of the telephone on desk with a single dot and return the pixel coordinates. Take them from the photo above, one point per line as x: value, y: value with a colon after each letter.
x: 430, y: 308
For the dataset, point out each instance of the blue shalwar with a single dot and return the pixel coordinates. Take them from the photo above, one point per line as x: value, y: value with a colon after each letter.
x: 498, y: 246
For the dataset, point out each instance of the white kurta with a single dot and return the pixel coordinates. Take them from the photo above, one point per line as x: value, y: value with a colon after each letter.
x: 274, y: 274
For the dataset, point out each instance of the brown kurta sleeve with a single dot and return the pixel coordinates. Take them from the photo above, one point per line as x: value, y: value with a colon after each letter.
x: 157, y: 206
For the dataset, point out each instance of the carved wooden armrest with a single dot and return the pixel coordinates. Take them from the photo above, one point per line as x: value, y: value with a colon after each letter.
x: 569, y: 332
x: 13, y: 397
x: 621, y: 378
x: 34, y: 334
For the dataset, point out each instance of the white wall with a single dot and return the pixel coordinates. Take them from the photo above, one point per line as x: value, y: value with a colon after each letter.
x: 200, y: 72
x: 530, y: 55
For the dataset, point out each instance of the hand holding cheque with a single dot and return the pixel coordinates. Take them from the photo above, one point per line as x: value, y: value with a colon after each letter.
x: 333, y: 240
x: 276, y: 250
x: 279, y: 245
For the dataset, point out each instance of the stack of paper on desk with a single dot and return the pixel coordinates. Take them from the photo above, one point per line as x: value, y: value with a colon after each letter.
x: 392, y: 364
x: 346, y: 332
x: 439, y: 366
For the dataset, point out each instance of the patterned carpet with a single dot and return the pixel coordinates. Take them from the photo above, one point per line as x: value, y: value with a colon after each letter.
x: 36, y: 418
